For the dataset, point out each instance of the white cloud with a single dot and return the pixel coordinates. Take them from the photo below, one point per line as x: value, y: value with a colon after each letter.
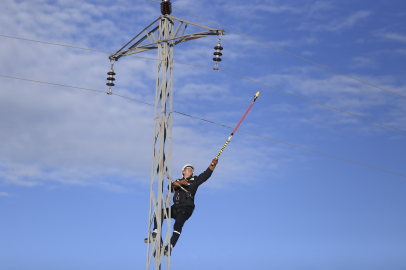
x: 4, y: 194
x: 54, y: 135
x: 401, y: 51
x: 336, y: 24
x: 348, y: 95
x: 308, y: 53
x: 272, y: 8
x: 392, y: 36
x: 362, y: 62
x: 236, y: 8
x: 57, y: 135
x: 244, y: 8
x: 69, y: 135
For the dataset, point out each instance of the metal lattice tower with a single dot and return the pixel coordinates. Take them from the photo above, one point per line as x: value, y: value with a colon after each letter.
x: 162, y: 154
x: 162, y: 37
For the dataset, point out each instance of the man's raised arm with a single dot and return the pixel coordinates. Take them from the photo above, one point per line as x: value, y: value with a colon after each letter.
x: 207, y: 173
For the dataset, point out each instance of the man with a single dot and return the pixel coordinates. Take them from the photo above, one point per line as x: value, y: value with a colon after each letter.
x: 184, y: 201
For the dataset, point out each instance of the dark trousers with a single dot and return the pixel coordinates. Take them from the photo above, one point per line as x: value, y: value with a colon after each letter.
x: 180, y: 215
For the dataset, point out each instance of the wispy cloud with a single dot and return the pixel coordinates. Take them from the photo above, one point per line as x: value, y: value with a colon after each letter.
x: 336, y: 24
x: 4, y: 194
x: 392, y: 36
x: 401, y: 51
x: 294, y: 43
x: 278, y: 7
x: 348, y: 95
x: 362, y: 62
x: 271, y: 8
x: 241, y: 7
x: 73, y: 137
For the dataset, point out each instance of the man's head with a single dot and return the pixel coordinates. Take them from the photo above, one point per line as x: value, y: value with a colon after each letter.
x: 187, y: 170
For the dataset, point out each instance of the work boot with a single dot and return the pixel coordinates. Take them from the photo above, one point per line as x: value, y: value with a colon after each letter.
x: 166, y: 251
x: 152, y: 237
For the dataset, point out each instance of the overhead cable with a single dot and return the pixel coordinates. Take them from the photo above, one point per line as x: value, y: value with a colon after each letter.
x: 87, y: 49
x: 181, y: 63
x: 266, y: 44
x: 16, y: 78
x: 208, y: 121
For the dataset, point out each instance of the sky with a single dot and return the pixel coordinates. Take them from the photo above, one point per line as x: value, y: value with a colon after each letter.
x: 75, y: 165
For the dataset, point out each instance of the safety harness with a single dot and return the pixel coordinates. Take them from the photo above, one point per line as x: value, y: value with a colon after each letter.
x: 177, y: 200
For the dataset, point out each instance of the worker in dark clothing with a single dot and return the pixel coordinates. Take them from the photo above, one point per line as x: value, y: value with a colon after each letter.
x: 184, y: 201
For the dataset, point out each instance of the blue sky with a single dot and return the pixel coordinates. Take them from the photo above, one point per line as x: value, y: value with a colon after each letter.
x: 75, y: 165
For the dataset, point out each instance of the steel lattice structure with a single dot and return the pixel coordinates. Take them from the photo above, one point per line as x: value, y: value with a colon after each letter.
x: 163, y: 37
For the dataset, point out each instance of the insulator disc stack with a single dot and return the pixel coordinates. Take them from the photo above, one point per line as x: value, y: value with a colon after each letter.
x: 110, y: 78
x: 166, y: 7
x: 217, y: 53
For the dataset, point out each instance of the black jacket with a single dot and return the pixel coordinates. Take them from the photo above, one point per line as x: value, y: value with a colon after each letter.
x: 181, y: 198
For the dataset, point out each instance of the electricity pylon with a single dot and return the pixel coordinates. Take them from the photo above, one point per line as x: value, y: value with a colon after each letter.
x: 163, y: 36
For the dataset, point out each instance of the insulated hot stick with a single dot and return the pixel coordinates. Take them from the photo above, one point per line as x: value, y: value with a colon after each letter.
x: 229, y: 138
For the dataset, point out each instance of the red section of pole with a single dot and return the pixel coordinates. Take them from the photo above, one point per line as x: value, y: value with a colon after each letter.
x: 229, y: 138
x: 242, y: 118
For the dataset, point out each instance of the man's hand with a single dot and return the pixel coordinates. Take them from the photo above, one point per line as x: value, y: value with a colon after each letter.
x: 213, y: 164
x: 180, y: 183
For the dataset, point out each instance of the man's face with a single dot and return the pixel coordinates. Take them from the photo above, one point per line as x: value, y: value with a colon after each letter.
x: 187, y: 172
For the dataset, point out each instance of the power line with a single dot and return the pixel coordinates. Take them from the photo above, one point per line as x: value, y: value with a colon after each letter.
x: 88, y: 89
x: 208, y: 121
x: 331, y: 107
x: 94, y: 50
x: 276, y: 48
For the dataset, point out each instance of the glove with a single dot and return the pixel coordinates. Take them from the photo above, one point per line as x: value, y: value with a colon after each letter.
x: 180, y: 183
x: 213, y: 164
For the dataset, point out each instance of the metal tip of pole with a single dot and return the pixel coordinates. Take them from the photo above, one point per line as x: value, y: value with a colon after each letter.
x: 257, y: 94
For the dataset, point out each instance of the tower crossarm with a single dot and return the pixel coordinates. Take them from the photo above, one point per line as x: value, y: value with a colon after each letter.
x: 173, y: 38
